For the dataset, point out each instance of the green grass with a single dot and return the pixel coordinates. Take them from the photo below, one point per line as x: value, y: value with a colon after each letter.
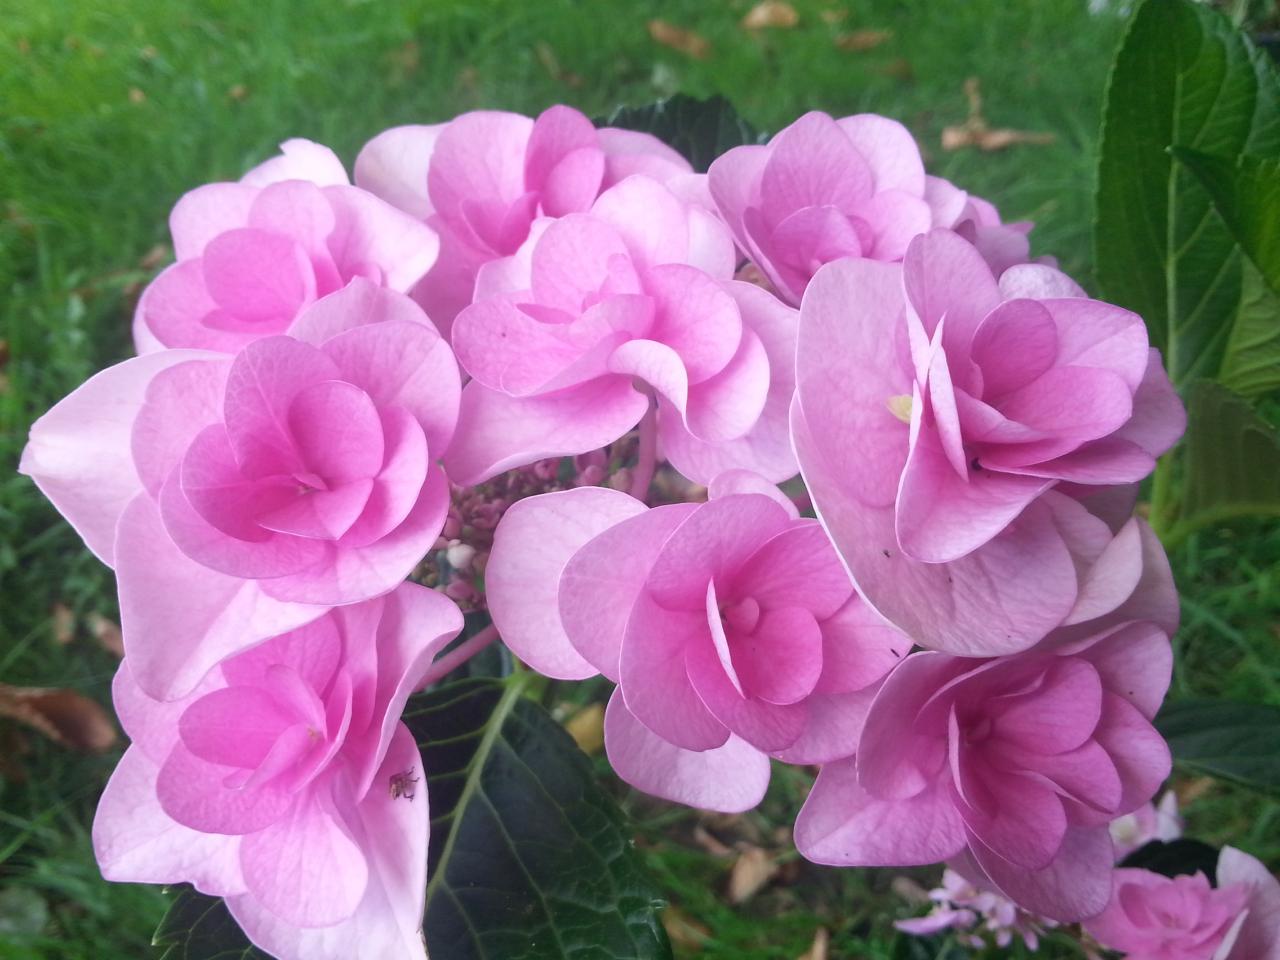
x: 110, y: 110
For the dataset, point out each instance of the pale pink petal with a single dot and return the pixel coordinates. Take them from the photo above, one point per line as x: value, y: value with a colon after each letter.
x: 729, y: 405
x: 835, y: 725
x: 730, y: 482
x: 629, y: 152
x: 258, y: 277
x: 766, y: 726
x: 889, y: 150
x: 841, y: 824
x: 730, y: 778
x: 135, y: 841
x: 944, y: 275
x: 1159, y: 418
x: 695, y: 317
x: 1260, y: 934
x: 299, y: 160
x: 79, y: 452
x: 649, y: 218
x: 895, y: 217
x: 174, y: 309
x: 180, y: 618
x: 1136, y: 662
x: 858, y: 648
x: 180, y: 402
x: 306, y: 869
x: 1096, y: 334
x: 393, y: 166
x: 497, y: 432
x: 601, y: 581
x: 813, y: 163
x: 797, y: 566
x: 372, y: 237
x: 535, y: 540
x: 1035, y: 281
x: 195, y: 793
x: 478, y: 154
x: 207, y: 211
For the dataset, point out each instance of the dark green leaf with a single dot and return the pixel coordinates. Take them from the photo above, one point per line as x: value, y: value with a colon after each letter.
x: 1175, y: 857
x: 530, y: 858
x: 1251, y: 364
x: 701, y: 130
x: 198, y: 927
x: 1184, y: 76
x: 1238, y: 741
x: 1232, y: 461
x: 1246, y: 192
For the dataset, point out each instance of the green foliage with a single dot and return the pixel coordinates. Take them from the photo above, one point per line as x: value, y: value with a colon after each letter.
x: 1175, y: 857
x: 1184, y: 77
x: 200, y: 927
x: 1237, y: 741
x: 1232, y: 461
x: 530, y: 858
x: 700, y: 130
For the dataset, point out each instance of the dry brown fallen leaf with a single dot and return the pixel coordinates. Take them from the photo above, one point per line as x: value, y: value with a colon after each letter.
x: 832, y: 16
x: 710, y: 842
x: 976, y: 132
x: 688, y: 42
x: 107, y: 633
x: 856, y: 41
x: 551, y: 63
x: 64, y: 716
x: 587, y: 728
x: 136, y: 95
x: 64, y: 624
x: 750, y: 872
x: 685, y: 932
x: 237, y: 92
x: 771, y: 14
x: 820, y: 947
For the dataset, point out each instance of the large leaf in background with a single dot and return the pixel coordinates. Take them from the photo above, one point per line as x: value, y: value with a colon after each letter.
x: 1246, y: 193
x: 1238, y: 741
x: 1232, y: 461
x: 1184, y: 76
x: 701, y: 130
x: 530, y: 858
x: 199, y: 927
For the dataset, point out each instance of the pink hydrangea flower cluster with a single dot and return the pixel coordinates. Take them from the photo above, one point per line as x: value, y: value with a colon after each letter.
x: 513, y: 362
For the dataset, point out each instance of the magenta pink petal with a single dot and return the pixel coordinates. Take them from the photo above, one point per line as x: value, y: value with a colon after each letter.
x: 264, y: 378
x: 781, y: 660
x: 1096, y: 334
x: 397, y: 486
x: 766, y: 726
x: 859, y: 648
x: 532, y: 546
x: 315, y: 649
x: 478, y: 154
x: 812, y: 163
x: 835, y: 724
x: 576, y: 257
x: 728, y: 406
x: 257, y: 276
x: 895, y: 218
x: 1025, y: 823
x: 321, y: 514
x: 354, y: 572
x: 944, y: 275
x: 194, y: 793
x: 730, y: 778
x: 337, y: 432
x: 602, y: 580
x: 797, y: 566
x: 573, y: 182
x: 695, y: 317
x: 1139, y: 752
x: 1159, y: 417
x: 1014, y: 345
x: 650, y: 219
x: 235, y: 726
x: 629, y: 152
x: 557, y: 132
x: 727, y: 483
x: 176, y: 311
x: 841, y: 824
x: 1135, y: 659
x: 1058, y: 716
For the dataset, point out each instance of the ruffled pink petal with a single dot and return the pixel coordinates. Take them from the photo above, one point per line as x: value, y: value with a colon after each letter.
x: 1075, y: 886
x: 1020, y: 819
x: 730, y: 778
x: 835, y: 724
x: 478, y: 154
x: 195, y: 793
x: 1135, y: 662
x: 797, y: 567
x: 1060, y: 715
x: 652, y: 675
x: 392, y: 834
x: 313, y: 651
x: 577, y: 257
x: 234, y: 726
x: 812, y: 163
x: 207, y: 211
x: 841, y: 824
x: 765, y: 448
x: 393, y: 166
x: 889, y: 150
x: 307, y: 869
x: 135, y: 841
x: 180, y: 618
x: 731, y: 482
x: 373, y: 238
x: 533, y: 544
x: 602, y: 579
x: 1159, y: 418
x: 260, y: 278
x: 858, y: 648
x: 1139, y: 752
x: 695, y: 317
x: 396, y: 489
x: 629, y: 152
x: 573, y: 182
x: 944, y: 275
x: 895, y: 218
x: 353, y: 572
x: 174, y: 309
x: 650, y: 219
x: 1096, y: 334
x: 497, y: 432
x: 1014, y: 345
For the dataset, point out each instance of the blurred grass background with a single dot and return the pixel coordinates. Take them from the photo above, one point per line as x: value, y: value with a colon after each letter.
x: 109, y: 110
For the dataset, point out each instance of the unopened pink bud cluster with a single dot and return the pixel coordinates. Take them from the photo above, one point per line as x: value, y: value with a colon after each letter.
x: 463, y: 371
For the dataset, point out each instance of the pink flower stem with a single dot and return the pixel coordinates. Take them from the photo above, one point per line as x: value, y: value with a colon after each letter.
x: 459, y: 655
x: 647, y: 461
